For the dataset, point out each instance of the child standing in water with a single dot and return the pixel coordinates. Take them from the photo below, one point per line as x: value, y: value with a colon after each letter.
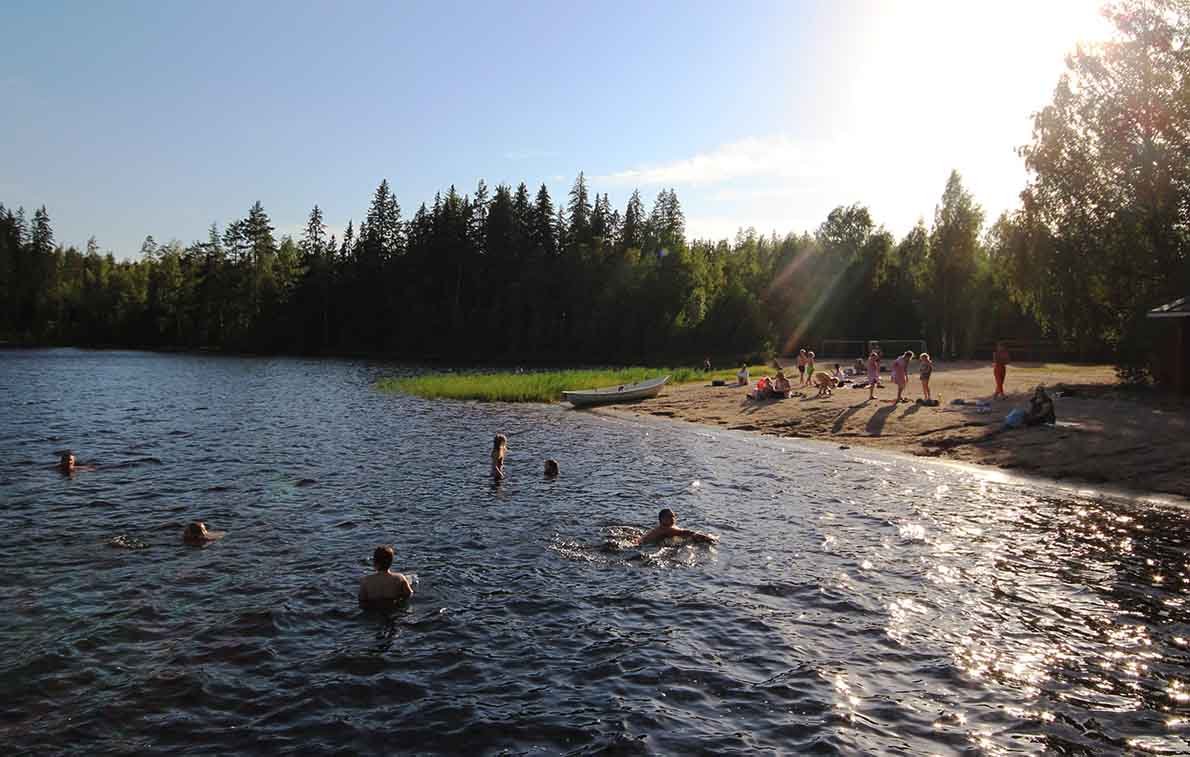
x: 499, y: 450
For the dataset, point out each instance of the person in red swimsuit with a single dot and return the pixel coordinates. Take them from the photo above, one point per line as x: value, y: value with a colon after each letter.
x: 999, y: 368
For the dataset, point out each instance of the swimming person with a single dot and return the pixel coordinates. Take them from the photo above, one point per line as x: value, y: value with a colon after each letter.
x: 68, y: 465
x: 499, y: 450
x: 383, y: 587
x: 196, y: 534
x: 666, y: 530
x: 551, y: 468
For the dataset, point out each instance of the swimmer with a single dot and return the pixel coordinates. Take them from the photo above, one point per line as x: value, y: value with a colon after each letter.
x: 551, y: 468
x: 666, y: 530
x: 499, y: 450
x: 383, y: 586
x: 68, y: 465
x: 196, y: 534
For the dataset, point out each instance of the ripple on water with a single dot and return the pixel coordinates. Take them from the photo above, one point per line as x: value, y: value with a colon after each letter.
x: 854, y: 604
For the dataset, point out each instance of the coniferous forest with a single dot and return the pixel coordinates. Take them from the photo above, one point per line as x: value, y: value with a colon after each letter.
x: 509, y: 273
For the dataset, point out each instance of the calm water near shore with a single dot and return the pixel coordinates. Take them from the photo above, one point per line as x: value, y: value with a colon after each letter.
x: 857, y: 603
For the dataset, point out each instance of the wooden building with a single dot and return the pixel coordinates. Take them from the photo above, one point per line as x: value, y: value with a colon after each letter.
x: 1172, y: 367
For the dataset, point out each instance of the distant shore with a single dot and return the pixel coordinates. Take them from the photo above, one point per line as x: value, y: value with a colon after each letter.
x: 1105, y: 434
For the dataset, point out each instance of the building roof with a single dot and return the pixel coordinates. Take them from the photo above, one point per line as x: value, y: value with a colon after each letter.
x: 1179, y: 308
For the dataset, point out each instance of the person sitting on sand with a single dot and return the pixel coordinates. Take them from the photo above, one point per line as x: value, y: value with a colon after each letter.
x: 927, y: 370
x: 763, y: 390
x: 499, y: 450
x: 838, y: 375
x: 666, y: 530
x: 196, y: 534
x: 742, y: 375
x: 1041, y: 408
x: 383, y: 587
x: 781, y: 386
x: 551, y: 468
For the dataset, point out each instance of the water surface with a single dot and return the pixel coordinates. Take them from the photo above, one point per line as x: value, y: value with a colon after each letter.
x: 857, y: 603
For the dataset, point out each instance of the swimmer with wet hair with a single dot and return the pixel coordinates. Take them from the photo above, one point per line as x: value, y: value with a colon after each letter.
x: 551, y: 468
x: 68, y: 465
x: 499, y: 450
x: 666, y: 530
x: 383, y: 587
x: 196, y: 534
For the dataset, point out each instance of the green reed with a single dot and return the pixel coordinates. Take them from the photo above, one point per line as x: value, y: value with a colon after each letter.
x: 540, y: 386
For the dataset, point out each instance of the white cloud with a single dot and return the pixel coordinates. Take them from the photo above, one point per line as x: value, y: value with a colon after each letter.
x: 775, y: 156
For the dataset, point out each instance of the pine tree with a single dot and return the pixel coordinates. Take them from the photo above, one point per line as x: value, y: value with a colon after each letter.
x: 578, y: 211
x: 633, y: 233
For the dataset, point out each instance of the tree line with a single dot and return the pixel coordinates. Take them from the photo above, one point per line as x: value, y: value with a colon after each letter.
x: 510, y: 274
x: 507, y: 275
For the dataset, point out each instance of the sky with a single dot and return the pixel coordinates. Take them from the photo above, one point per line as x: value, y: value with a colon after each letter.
x: 128, y: 118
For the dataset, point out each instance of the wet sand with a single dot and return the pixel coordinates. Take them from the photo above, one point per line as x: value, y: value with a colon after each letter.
x: 1105, y: 434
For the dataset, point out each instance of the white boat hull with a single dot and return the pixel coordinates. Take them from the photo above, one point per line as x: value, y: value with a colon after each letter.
x: 612, y: 394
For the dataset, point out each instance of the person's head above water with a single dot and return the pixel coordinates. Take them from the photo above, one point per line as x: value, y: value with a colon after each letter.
x: 197, y: 533
x: 66, y: 462
x: 551, y: 468
x: 500, y: 441
x: 666, y: 517
x: 382, y: 558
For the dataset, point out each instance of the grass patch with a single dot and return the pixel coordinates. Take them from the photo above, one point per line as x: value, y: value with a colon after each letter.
x: 540, y: 386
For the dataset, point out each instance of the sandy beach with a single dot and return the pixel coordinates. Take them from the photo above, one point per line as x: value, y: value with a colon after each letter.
x: 1105, y: 434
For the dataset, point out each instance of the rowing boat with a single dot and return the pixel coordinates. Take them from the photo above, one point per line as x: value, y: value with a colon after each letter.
x: 622, y: 393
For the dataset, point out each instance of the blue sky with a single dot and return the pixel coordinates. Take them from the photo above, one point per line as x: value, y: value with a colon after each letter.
x: 135, y: 118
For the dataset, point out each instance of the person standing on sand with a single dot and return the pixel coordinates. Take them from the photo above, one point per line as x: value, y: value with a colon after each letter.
x: 900, y: 374
x: 927, y: 370
x: 801, y: 365
x: 873, y: 373
x: 1000, y: 359
x: 499, y: 450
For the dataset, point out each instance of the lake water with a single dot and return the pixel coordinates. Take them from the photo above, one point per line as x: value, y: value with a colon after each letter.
x: 857, y: 602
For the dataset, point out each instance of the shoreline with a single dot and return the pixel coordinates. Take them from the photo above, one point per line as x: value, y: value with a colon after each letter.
x: 1107, y: 437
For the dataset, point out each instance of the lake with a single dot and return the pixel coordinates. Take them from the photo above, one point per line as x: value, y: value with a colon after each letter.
x: 857, y: 602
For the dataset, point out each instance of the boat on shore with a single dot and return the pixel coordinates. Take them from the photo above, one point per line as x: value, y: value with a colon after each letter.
x: 612, y: 394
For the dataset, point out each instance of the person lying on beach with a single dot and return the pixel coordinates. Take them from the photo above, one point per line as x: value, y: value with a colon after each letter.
x: 825, y: 382
x: 383, y: 587
x: 666, y: 530
x: 196, y: 534
x: 499, y: 450
x: 551, y: 468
